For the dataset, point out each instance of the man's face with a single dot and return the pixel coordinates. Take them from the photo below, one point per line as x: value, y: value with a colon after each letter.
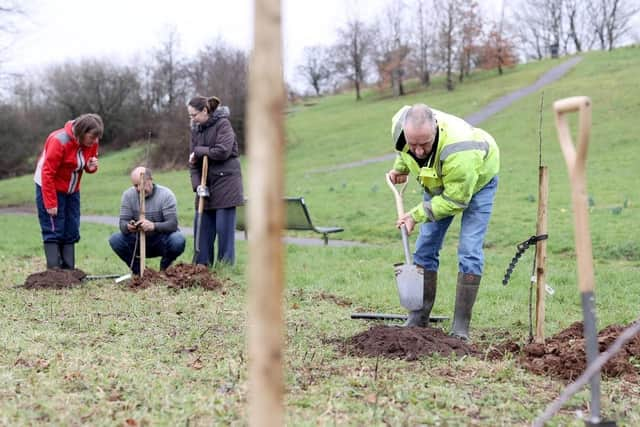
x: 137, y: 184
x: 420, y: 139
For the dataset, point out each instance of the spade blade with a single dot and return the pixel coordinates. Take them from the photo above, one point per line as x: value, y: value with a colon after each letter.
x: 410, y: 286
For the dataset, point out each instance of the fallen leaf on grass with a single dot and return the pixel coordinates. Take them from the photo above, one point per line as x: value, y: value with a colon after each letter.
x: 197, y: 364
x: 371, y: 398
x: 114, y: 396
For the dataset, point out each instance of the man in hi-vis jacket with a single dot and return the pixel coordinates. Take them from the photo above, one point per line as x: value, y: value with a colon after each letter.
x: 457, y: 166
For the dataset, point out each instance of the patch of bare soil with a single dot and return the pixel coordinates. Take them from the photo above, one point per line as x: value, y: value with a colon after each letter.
x: 54, y: 279
x: 563, y: 356
x: 179, y: 276
x: 409, y: 343
x: 182, y: 276
x: 149, y: 278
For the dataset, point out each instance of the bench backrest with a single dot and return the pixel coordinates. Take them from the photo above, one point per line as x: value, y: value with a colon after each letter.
x: 297, y: 215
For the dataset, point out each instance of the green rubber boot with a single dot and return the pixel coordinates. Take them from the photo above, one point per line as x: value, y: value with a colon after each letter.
x: 52, y: 254
x: 421, y: 317
x: 466, y: 292
x: 68, y: 252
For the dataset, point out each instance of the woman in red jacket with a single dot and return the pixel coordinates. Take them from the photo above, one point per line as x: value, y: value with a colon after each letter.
x: 67, y: 153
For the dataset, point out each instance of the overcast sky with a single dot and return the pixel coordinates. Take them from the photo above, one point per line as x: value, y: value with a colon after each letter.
x: 58, y: 30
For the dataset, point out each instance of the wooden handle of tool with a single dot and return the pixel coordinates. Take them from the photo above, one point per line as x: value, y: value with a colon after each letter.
x: 203, y: 181
x: 576, y: 160
x: 143, y: 240
x: 397, y: 194
x: 576, y: 163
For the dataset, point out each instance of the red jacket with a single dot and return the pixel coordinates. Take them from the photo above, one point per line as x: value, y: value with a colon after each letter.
x: 61, y: 164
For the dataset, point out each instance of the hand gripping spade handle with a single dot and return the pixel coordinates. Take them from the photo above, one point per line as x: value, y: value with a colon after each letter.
x: 576, y: 158
x: 408, y: 278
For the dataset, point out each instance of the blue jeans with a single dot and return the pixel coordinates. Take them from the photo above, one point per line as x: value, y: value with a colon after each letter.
x: 169, y: 246
x: 220, y: 223
x: 475, y: 220
x: 64, y: 228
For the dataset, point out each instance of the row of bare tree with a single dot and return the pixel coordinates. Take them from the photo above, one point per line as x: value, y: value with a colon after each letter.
x: 411, y: 38
x: 416, y: 38
x: 141, y: 101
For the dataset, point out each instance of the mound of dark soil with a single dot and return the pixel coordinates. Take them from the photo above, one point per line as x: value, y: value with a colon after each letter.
x: 188, y: 276
x: 563, y: 356
x: 179, y: 276
x: 405, y: 343
x: 54, y: 279
x: 150, y: 278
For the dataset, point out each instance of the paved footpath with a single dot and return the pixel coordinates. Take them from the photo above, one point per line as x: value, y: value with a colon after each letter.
x: 113, y: 221
x: 475, y: 119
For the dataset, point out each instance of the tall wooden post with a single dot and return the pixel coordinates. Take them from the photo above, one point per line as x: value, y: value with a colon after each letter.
x: 266, y: 217
x: 142, y: 240
x: 541, y: 251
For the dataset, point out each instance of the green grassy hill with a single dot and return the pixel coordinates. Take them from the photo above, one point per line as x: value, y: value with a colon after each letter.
x: 114, y: 355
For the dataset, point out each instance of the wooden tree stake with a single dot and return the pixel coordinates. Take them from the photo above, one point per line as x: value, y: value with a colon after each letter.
x: 266, y: 217
x: 541, y: 251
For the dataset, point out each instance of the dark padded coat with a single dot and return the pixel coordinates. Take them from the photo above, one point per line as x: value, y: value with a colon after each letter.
x: 216, y: 139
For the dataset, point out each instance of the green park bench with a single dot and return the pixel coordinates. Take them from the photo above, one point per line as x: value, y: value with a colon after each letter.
x: 297, y: 218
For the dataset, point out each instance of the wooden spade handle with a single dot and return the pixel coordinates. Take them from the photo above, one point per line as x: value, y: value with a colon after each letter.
x: 576, y: 159
x: 397, y: 194
x: 143, y: 240
x: 203, y: 181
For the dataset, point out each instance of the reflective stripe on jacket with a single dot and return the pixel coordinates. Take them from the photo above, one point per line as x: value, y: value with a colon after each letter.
x: 465, y: 160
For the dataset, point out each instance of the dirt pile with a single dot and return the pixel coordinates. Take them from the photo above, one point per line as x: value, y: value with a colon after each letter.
x: 563, y: 356
x: 404, y: 343
x: 183, y: 276
x: 150, y: 278
x: 179, y: 276
x: 54, y: 279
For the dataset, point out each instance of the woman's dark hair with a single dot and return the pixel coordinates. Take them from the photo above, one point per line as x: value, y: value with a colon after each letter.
x: 88, y: 123
x: 200, y: 103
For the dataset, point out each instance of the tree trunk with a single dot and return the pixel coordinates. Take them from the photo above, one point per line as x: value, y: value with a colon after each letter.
x: 425, y: 78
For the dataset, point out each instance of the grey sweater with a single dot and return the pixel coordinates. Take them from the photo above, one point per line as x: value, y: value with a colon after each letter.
x: 160, y: 207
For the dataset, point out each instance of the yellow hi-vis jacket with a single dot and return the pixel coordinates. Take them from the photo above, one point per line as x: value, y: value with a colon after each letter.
x: 463, y: 160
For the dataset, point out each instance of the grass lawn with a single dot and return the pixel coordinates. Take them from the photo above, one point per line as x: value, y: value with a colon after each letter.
x: 102, y: 355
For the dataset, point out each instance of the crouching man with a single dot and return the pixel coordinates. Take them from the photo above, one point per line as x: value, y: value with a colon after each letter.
x: 160, y: 224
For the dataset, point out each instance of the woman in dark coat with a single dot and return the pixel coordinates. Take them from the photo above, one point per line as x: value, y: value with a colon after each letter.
x: 213, y: 136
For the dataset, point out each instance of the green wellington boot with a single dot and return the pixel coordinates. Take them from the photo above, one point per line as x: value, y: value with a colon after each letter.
x: 52, y: 254
x: 68, y: 252
x: 466, y: 292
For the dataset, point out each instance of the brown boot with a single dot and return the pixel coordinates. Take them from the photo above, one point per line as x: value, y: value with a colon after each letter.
x: 466, y: 292
x: 421, y: 317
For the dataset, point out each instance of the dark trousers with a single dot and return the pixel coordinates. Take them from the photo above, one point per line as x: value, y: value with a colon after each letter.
x: 220, y: 223
x: 63, y: 228
x: 169, y: 246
